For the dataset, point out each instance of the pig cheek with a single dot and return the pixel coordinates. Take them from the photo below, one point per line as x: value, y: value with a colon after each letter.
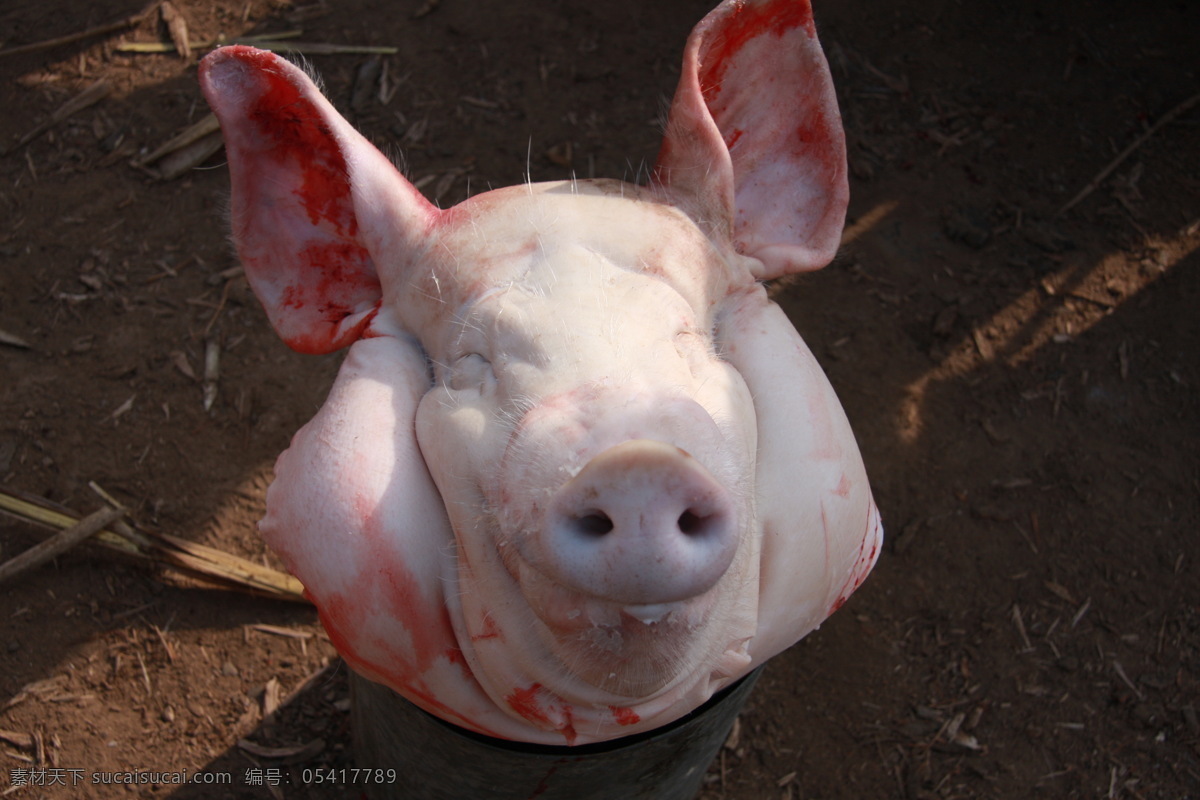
x: 723, y: 393
x: 457, y: 441
x: 452, y: 438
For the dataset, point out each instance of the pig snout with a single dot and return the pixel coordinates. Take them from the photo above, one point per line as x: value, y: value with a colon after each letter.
x: 642, y: 523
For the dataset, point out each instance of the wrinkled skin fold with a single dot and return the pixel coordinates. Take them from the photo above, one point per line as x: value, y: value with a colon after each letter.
x: 577, y: 473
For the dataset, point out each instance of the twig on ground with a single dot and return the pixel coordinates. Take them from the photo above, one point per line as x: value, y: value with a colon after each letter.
x: 164, y: 47
x: 204, y: 565
x: 145, y: 673
x: 201, y: 130
x: 275, y: 630
x: 276, y: 42
x: 59, y: 543
x: 1116, y: 162
x: 1117, y: 668
x: 88, y: 97
x: 1020, y: 623
x: 327, y: 48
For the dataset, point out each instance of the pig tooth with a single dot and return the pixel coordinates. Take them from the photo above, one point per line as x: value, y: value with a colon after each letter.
x: 649, y: 613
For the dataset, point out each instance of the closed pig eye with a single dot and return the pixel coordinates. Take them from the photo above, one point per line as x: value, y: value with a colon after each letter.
x: 471, y: 372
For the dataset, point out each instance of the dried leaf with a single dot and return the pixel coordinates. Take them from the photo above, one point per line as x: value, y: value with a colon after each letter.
x: 966, y: 741
x: 178, y: 28
x: 180, y: 360
x: 429, y: 6
x: 212, y: 372
x: 270, y: 698
x: 13, y: 340
x: 17, y: 739
x: 1061, y: 591
x: 124, y: 407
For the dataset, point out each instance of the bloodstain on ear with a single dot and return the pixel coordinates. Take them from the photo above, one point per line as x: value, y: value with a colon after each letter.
x: 302, y: 138
x: 315, y: 278
x: 739, y: 27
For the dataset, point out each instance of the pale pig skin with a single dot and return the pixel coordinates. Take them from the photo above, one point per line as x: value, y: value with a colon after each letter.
x: 577, y: 472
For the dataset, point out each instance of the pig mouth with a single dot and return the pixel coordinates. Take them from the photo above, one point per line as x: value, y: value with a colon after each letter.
x: 628, y: 650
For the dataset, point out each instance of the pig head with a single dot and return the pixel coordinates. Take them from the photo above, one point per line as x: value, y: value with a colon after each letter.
x: 577, y: 472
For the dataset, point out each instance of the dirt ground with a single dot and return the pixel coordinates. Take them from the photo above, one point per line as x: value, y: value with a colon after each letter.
x: 1022, y: 381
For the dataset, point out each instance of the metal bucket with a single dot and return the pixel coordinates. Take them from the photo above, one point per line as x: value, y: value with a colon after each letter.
x: 434, y: 760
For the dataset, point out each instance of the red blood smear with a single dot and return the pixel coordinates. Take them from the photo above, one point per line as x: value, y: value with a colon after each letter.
x: 428, y: 623
x: 813, y: 137
x: 490, y: 631
x: 340, y: 263
x: 742, y: 25
x: 320, y: 341
x: 524, y: 702
x: 455, y: 656
x: 339, y: 614
x: 301, y: 137
x: 398, y: 595
x: 861, y: 567
x: 624, y: 716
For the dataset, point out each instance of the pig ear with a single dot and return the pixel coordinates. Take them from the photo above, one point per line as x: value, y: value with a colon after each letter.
x: 754, y: 137
x: 313, y: 202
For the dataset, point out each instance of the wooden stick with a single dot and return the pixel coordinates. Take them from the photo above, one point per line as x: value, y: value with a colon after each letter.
x: 59, y: 543
x: 88, y: 97
x: 194, y: 133
x: 1116, y: 162
x: 199, y: 563
x: 165, y: 47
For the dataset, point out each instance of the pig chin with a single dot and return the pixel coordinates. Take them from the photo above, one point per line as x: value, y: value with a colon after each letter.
x: 626, y: 650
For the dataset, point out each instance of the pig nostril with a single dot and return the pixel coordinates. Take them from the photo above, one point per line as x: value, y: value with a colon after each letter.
x: 596, y: 523
x: 689, y: 523
x: 701, y: 526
